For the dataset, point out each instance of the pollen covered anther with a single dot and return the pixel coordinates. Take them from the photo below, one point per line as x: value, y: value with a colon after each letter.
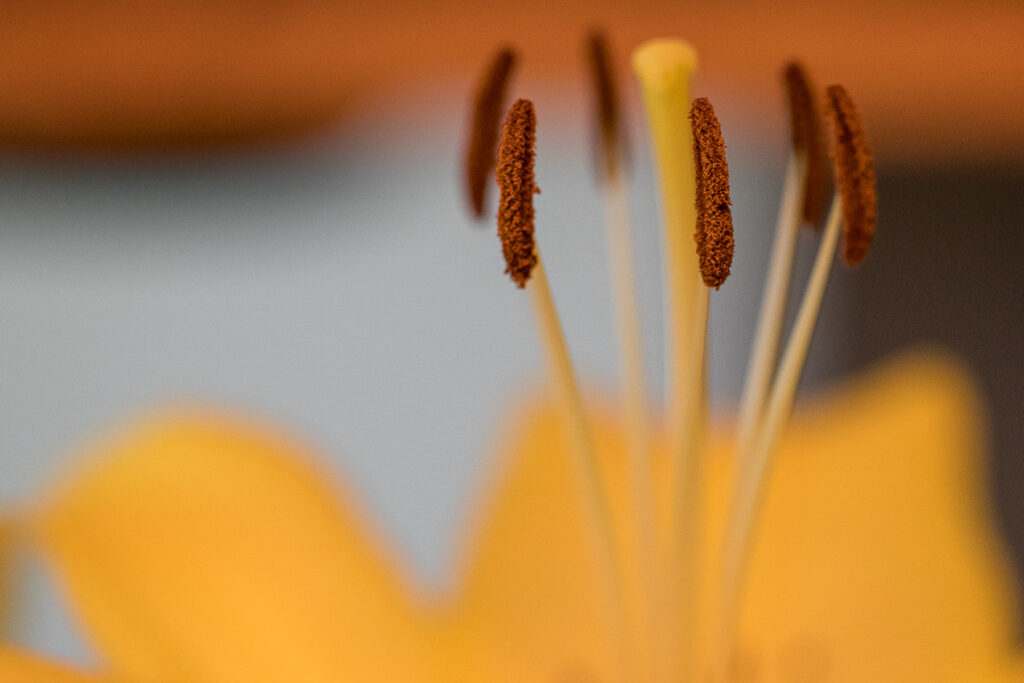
x: 714, y: 217
x: 516, y: 182
x: 854, y: 168
x: 483, y: 141
x: 807, y: 138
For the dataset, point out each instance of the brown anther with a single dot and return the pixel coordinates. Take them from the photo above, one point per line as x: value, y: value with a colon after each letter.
x: 606, y: 103
x: 854, y: 168
x: 714, y: 218
x: 483, y: 141
x: 807, y: 138
x: 516, y: 182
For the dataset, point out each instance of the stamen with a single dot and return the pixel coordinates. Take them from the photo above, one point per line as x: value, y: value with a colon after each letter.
x: 522, y: 256
x: 487, y: 108
x: 807, y: 140
x: 806, y: 160
x: 855, y: 172
x: 855, y: 175
x: 516, y: 182
x: 620, y: 261
x: 714, y: 219
x: 606, y: 101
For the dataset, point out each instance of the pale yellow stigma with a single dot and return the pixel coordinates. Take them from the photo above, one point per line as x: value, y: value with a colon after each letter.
x: 665, y: 64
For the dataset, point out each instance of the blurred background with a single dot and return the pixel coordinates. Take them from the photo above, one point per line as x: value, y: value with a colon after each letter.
x: 258, y: 204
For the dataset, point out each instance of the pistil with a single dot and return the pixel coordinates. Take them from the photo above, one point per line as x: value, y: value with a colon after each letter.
x: 665, y: 69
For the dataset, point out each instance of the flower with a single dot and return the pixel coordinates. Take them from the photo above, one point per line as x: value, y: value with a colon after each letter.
x: 877, y: 560
x: 853, y: 546
x: 206, y: 547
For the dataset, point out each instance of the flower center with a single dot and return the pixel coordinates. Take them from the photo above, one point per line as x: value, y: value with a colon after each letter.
x: 666, y: 637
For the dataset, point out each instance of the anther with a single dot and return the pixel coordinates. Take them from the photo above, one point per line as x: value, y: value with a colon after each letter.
x: 714, y: 218
x: 854, y: 168
x: 487, y: 108
x: 516, y: 182
x: 807, y: 138
x: 606, y: 102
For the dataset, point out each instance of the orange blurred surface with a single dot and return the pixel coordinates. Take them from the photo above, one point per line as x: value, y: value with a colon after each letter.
x: 937, y: 81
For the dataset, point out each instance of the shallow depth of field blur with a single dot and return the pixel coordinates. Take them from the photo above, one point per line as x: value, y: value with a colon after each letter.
x: 318, y: 266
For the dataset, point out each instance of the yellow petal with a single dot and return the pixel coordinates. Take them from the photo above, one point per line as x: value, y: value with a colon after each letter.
x: 19, y: 667
x: 532, y: 607
x: 204, y: 548
x: 6, y: 571
x: 876, y: 561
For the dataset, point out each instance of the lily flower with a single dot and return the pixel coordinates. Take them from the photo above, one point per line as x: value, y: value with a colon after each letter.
x: 849, y: 541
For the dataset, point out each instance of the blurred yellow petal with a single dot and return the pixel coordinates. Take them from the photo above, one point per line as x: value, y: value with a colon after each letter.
x: 530, y: 607
x: 6, y: 574
x: 876, y: 558
x: 204, y: 549
x: 200, y: 548
x: 19, y: 667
